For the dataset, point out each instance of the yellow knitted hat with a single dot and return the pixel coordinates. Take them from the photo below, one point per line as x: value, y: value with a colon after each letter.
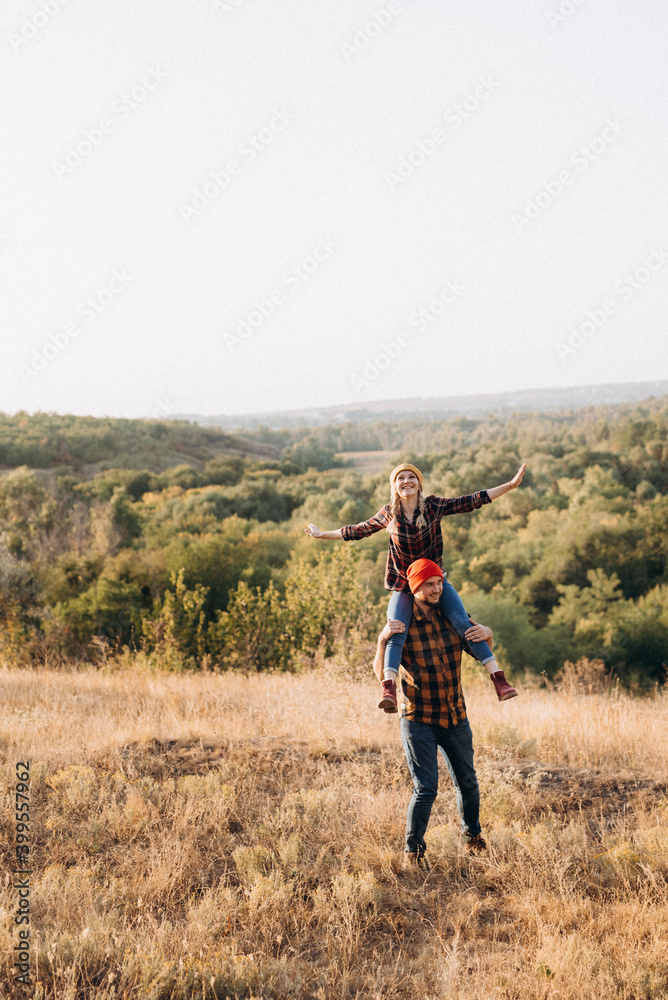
x: 405, y: 468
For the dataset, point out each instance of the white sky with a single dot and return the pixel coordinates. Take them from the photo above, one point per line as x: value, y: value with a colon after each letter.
x: 339, y: 94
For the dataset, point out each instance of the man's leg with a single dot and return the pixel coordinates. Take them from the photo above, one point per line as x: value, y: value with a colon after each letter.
x: 456, y: 745
x: 419, y: 742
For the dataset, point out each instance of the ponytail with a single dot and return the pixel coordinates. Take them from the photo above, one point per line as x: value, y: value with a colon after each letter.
x: 395, y: 510
x: 422, y: 520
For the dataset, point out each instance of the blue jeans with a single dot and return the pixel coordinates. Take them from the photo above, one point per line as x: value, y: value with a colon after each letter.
x: 401, y: 607
x: 421, y: 742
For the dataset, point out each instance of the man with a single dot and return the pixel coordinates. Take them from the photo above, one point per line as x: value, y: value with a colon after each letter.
x: 434, y: 714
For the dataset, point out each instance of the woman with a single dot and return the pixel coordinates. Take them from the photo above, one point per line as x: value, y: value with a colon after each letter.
x: 413, y: 523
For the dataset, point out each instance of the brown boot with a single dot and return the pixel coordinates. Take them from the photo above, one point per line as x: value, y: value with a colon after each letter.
x: 416, y: 860
x: 476, y: 844
x: 504, y: 691
x: 389, y: 700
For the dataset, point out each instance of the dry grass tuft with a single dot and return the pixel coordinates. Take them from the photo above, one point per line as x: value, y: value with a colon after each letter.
x: 222, y: 836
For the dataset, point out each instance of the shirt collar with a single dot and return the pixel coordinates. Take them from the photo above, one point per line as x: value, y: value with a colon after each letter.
x: 421, y: 616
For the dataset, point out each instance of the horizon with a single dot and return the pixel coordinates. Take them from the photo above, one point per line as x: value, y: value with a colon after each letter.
x: 373, y: 404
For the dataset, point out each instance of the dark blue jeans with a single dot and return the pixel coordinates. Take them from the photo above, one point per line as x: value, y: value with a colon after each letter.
x: 421, y: 742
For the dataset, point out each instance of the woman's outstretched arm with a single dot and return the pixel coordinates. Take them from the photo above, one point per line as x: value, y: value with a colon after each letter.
x: 498, y: 491
x: 314, y: 531
x: 472, y: 501
x: 353, y: 532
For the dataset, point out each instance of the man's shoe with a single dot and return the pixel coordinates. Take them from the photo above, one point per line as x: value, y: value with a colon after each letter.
x: 476, y: 844
x: 504, y: 691
x: 415, y: 860
x: 389, y: 700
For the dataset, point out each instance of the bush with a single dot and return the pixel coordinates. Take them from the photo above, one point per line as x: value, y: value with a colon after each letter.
x: 526, y: 647
x: 323, y: 603
x: 177, y: 630
x: 253, y: 634
x: 110, y: 609
x: 325, y: 600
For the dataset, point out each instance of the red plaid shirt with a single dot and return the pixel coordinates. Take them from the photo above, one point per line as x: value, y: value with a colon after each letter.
x: 431, y: 676
x: 409, y: 542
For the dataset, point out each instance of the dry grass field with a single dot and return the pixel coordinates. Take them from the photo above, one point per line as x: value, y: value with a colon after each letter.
x: 222, y: 836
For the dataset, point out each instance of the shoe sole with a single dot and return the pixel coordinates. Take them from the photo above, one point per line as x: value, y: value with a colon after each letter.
x: 507, y: 697
x: 387, y: 704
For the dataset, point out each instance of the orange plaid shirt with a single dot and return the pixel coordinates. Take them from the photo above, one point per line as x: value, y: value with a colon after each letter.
x: 431, y: 677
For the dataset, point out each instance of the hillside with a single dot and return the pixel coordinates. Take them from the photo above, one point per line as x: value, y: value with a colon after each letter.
x: 441, y: 408
x: 189, y: 543
x: 89, y: 445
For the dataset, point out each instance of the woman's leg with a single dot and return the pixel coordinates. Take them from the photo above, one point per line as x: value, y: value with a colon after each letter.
x: 401, y: 608
x: 453, y: 609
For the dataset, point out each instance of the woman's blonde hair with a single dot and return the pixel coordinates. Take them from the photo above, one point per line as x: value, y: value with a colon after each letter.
x: 395, y: 510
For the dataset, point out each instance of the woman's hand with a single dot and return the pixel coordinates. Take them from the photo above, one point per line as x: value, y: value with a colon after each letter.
x: 391, y: 626
x: 478, y: 633
x: 498, y: 491
x: 517, y: 479
x: 315, y: 532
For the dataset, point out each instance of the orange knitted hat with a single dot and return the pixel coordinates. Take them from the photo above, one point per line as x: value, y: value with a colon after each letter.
x: 421, y: 570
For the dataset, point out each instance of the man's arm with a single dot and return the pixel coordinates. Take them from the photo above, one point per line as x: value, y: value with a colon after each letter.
x: 388, y: 629
x: 479, y: 633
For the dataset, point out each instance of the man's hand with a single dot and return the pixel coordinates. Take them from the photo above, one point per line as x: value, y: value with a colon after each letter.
x: 479, y: 633
x: 313, y: 530
x: 517, y: 478
x: 390, y: 627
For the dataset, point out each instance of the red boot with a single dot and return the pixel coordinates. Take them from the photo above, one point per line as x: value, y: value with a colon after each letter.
x: 503, y: 689
x: 389, y: 700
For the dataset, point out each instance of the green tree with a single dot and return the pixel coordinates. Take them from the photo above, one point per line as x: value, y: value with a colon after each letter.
x: 177, y: 629
x: 253, y: 634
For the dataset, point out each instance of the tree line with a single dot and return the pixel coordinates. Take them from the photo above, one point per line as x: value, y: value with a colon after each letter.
x: 188, y: 544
